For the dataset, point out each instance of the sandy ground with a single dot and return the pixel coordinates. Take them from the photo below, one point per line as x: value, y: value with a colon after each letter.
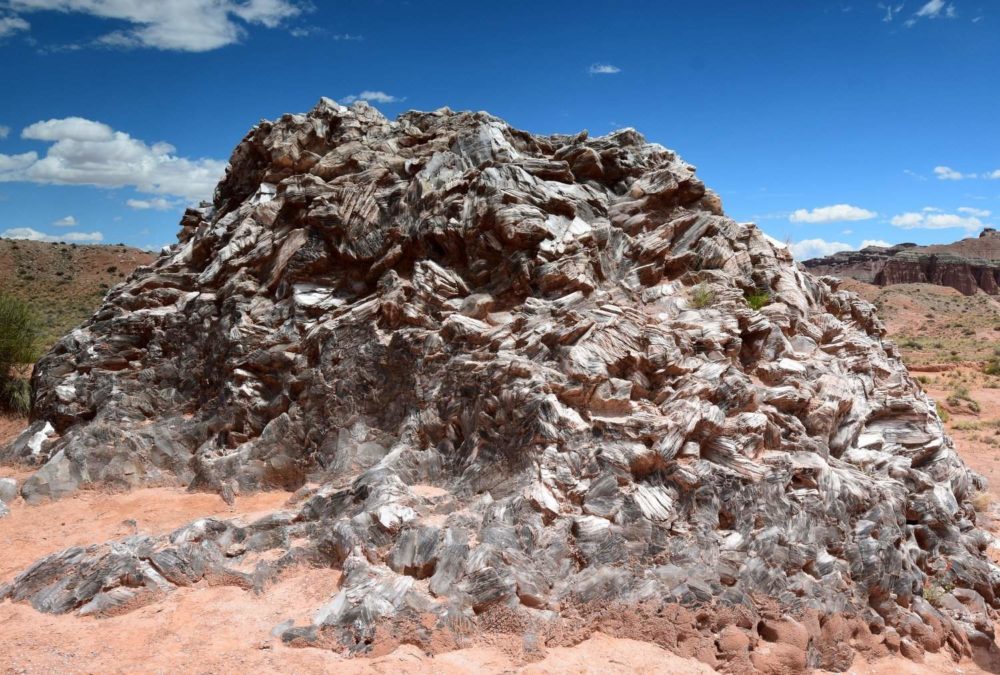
x: 223, y: 629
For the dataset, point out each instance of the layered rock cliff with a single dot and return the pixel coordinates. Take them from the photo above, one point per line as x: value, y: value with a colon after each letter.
x: 507, y: 371
x: 969, y: 266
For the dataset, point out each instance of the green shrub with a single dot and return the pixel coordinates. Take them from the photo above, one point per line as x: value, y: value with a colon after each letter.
x: 18, y: 346
x: 942, y: 413
x: 702, y: 296
x: 757, y: 298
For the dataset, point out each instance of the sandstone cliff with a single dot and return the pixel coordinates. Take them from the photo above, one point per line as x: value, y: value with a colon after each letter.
x: 970, y: 266
x: 507, y: 372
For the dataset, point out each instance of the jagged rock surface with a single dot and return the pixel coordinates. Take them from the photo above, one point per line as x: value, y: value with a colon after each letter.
x: 969, y: 266
x: 501, y: 370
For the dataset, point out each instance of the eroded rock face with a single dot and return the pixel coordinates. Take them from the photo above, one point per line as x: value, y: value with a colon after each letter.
x: 970, y: 266
x: 502, y: 370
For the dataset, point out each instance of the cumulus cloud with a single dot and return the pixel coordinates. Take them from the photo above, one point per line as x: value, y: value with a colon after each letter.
x: 817, y: 248
x: 158, y: 204
x: 181, y: 25
x: 376, y: 96
x: 875, y: 242
x: 68, y: 221
x: 934, y: 219
x: 84, y: 152
x: 35, y: 235
x: 604, y: 69
x: 12, y: 24
x: 68, y: 128
x: 947, y: 173
x: 831, y: 214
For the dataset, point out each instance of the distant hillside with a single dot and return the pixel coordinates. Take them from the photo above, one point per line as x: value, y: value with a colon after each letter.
x: 64, y: 282
x: 969, y: 266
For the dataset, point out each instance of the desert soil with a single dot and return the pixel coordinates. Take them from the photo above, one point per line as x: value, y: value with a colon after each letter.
x: 945, y: 338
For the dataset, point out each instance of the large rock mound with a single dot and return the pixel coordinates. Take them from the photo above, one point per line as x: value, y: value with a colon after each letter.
x: 505, y: 371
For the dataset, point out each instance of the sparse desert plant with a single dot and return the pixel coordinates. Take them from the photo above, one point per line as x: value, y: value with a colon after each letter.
x: 960, y: 395
x: 18, y: 340
x: 981, y: 501
x: 966, y: 425
x: 757, y: 298
x: 992, y: 366
x: 933, y: 593
x: 702, y: 296
x: 942, y: 413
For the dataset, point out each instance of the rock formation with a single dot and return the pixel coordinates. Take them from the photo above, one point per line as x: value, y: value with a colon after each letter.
x: 507, y: 372
x: 970, y: 266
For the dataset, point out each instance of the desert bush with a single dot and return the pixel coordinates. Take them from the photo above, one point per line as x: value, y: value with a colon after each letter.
x: 981, y: 501
x: 18, y: 342
x: 960, y: 394
x: 942, y: 413
x: 702, y: 296
x: 992, y: 366
x: 757, y: 298
x: 933, y: 594
x: 966, y: 425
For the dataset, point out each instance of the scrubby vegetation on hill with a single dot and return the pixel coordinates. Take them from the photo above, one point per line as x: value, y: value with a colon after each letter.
x: 63, y: 283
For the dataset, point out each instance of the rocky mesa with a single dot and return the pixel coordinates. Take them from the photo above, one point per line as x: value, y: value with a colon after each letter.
x: 514, y: 379
x: 969, y: 266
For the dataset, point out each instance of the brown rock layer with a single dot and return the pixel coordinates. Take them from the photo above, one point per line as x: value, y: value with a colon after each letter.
x: 969, y: 266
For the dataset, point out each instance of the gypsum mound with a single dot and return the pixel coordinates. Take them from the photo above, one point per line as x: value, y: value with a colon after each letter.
x: 621, y: 393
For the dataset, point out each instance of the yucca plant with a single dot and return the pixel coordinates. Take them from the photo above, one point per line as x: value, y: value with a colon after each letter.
x: 18, y: 346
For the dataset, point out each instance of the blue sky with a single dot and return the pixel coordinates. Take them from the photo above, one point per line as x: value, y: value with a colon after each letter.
x: 828, y: 123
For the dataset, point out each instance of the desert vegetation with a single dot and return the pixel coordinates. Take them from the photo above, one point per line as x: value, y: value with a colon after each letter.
x: 19, y: 334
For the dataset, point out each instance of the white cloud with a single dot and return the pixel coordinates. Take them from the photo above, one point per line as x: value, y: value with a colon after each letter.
x: 947, y: 173
x: 847, y: 231
x: 820, y: 248
x: 68, y: 128
x: 936, y: 220
x: 68, y: 221
x: 817, y: 248
x: 84, y: 152
x: 604, y: 69
x: 995, y: 175
x: 891, y: 10
x: 934, y: 9
x: 182, y: 25
x: 10, y: 164
x: 12, y: 24
x: 978, y: 213
x: 158, y: 204
x: 914, y: 174
x: 376, y: 96
x: 35, y: 235
x: 4, y: 132
x: 831, y: 214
